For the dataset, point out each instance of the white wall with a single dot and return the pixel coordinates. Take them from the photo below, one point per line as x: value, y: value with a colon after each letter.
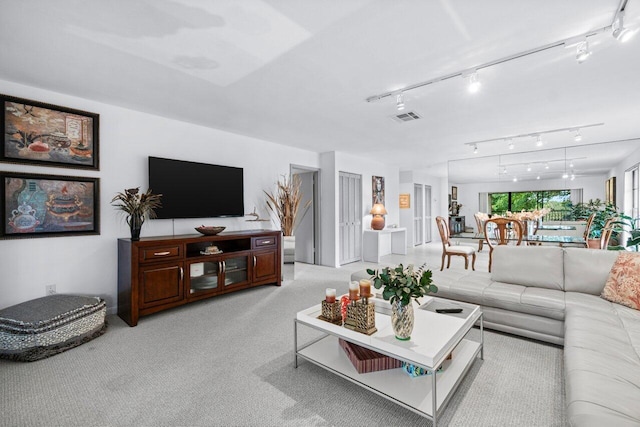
x: 88, y: 264
x: 618, y: 172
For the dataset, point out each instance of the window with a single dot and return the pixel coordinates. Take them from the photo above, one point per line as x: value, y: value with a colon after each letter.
x: 559, y: 201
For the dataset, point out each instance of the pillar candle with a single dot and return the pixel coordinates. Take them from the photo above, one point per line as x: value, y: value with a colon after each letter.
x: 353, y: 291
x: 330, y: 295
x: 365, y: 288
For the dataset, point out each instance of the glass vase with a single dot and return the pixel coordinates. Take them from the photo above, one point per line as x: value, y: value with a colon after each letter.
x: 402, y: 320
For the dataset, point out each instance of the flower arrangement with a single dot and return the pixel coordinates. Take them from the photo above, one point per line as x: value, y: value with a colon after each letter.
x: 402, y: 284
x: 137, y: 206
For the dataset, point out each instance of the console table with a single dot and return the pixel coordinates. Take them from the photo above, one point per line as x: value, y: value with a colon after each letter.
x: 376, y: 243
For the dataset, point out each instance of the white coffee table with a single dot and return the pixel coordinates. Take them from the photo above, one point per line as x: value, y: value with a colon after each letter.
x: 434, y: 337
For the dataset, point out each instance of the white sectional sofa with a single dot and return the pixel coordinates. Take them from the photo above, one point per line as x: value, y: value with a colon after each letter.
x: 553, y: 294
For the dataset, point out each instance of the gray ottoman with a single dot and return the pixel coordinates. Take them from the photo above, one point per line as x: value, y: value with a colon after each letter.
x: 50, y: 325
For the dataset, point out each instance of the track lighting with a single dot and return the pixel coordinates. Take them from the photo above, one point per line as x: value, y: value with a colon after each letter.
x: 578, y: 136
x: 538, y: 177
x: 475, y: 149
x: 399, y: 102
x: 546, y: 165
x: 565, y: 175
x: 515, y: 179
x: 528, y: 168
x: 510, y: 143
x: 621, y: 33
x: 474, y: 83
x: 573, y: 177
x: 583, y: 52
x: 539, y: 141
x: 504, y: 170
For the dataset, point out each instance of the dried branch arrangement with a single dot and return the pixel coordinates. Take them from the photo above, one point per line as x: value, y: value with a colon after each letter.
x: 285, y: 203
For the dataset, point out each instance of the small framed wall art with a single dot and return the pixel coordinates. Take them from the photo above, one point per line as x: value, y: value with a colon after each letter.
x: 36, y: 205
x: 454, y: 193
x: 48, y: 135
x: 610, y: 191
x: 377, y: 187
x: 405, y: 201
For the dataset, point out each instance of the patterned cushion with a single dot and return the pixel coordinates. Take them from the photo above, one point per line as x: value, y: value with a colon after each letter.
x: 46, y: 326
x: 623, y: 284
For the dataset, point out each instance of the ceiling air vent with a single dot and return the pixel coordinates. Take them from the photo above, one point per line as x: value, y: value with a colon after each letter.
x: 406, y: 117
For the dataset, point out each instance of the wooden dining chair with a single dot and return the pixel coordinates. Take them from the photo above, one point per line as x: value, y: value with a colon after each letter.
x: 448, y: 249
x: 502, y: 231
x: 480, y: 219
x: 607, y: 232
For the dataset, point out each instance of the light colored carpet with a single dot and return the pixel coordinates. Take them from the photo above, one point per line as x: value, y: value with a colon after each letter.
x: 228, y: 361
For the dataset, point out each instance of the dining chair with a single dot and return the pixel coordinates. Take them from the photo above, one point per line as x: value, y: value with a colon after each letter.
x: 480, y: 218
x: 502, y: 231
x: 448, y: 249
x: 607, y: 232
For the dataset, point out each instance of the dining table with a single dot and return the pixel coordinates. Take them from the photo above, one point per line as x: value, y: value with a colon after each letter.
x: 537, y: 238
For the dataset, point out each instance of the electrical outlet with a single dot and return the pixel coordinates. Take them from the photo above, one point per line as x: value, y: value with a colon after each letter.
x: 50, y: 289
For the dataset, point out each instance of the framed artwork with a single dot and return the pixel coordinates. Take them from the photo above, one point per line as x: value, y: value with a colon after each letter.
x: 454, y: 193
x: 48, y: 135
x: 36, y: 205
x: 405, y: 201
x: 610, y: 190
x: 454, y: 207
x: 377, y: 187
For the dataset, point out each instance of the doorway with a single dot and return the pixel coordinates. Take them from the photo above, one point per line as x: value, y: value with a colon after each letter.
x: 350, y: 217
x: 418, y: 214
x: 307, y: 232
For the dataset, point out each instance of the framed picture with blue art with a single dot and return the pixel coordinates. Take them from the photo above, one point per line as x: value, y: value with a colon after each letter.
x: 48, y: 135
x: 35, y: 205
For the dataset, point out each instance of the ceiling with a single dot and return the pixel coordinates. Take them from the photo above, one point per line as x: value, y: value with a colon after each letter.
x: 299, y: 72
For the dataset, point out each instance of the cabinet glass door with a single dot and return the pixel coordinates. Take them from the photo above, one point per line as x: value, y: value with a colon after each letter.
x: 203, y: 276
x: 236, y: 270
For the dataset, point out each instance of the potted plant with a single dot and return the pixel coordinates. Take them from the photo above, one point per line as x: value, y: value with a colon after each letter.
x: 625, y: 227
x: 137, y: 207
x: 401, y: 286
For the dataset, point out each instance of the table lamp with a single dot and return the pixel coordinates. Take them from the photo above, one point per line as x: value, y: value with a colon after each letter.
x: 377, y: 222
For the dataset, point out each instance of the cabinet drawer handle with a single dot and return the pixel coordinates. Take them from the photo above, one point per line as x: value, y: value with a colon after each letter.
x: 266, y: 242
x: 181, y: 274
x: 254, y: 260
x: 161, y: 253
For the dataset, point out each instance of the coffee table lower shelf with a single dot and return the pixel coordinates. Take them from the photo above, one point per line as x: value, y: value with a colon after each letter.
x: 413, y: 393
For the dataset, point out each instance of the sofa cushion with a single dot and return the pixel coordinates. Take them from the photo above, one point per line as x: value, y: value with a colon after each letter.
x: 540, y: 266
x: 623, y: 284
x: 524, y: 299
x: 602, y: 366
x: 464, y: 287
x: 587, y: 270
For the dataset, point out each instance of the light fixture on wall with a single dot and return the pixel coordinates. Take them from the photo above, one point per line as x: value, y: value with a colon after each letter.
x: 378, y: 211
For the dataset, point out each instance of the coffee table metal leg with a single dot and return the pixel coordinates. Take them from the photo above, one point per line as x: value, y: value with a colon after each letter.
x: 481, y: 337
x: 434, y: 397
x: 295, y: 343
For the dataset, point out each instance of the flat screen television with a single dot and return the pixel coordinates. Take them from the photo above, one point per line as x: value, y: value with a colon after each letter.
x: 196, y: 190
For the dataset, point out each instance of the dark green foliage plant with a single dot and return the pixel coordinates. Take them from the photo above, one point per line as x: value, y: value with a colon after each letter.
x: 403, y: 283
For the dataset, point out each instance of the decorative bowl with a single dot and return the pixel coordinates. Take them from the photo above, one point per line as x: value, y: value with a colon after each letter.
x: 209, y: 230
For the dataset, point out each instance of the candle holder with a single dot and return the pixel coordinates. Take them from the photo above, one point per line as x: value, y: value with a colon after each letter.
x: 331, y: 312
x: 361, y: 317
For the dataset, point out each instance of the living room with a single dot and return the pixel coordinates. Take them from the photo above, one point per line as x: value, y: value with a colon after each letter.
x: 87, y: 57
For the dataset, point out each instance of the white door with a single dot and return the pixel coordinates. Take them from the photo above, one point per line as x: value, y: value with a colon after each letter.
x: 418, y: 214
x: 350, y: 217
x: 305, y: 229
x: 427, y: 214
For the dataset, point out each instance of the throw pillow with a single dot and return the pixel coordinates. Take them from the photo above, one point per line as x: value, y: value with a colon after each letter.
x: 623, y: 284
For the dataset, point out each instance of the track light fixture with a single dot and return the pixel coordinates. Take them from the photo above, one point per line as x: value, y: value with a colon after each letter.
x: 515, y: 179
x: 583, y: 52
x: 510, y: 139
x: 400, y: 102
x: 578, y: 136
x: 538, y: 177
x: 528, y: 168
x: 474, y: 83
x: 621, y: 33
x: 565, y: 175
